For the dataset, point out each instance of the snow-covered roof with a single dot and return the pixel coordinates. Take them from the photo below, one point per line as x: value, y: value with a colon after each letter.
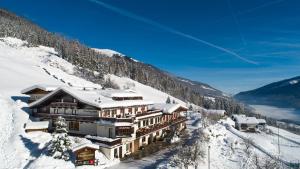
x: 44, y: 87
x: 105, y: 139
x: 234, y: 116
x: 96, y: 98
x: 30, y: 125
x: 117, y: 124
x: 120, y: 93
x: 246, y: 120
x: 89, y: 145
x: 261, y: 121
x: 166, y: 107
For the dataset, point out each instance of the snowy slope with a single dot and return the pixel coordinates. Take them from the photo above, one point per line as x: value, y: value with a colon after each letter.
x: 148, y: 92
x: 107, y: 52
x: 111, y: 53
x: 20, y: 67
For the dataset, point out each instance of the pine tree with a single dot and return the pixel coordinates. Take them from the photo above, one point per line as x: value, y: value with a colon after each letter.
x: 168, y: 101
x: 60, y: 143
x: 190, y: 107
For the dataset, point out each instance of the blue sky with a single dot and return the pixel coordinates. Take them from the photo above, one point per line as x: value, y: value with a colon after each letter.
x: 232, y: 45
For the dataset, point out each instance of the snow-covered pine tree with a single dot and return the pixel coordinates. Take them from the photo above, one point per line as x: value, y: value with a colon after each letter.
x: 60, y: 143
x: 168, y: 101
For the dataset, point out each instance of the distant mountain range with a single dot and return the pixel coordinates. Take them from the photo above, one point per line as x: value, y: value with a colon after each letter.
x: 284, y: 93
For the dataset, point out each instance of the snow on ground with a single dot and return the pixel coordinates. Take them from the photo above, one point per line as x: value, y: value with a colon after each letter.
x: 285, y: 134
x: 207, y: 88
x: 210, y: 98
x: 107, y: 52
x: 111, y: 53
x: 293, y: 82
x: 222, y: 155
x: 227, y: 150
x: 288, y: 151
x: 20, y: 67
x: 148, y: 92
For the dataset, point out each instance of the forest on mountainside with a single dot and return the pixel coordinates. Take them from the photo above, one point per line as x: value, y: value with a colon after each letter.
x: 88, y: 61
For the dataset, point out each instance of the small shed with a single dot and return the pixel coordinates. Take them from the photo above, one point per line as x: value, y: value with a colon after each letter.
x: 262, y: 122
x: 246, y: 123
x: 85, y: 154
x: 36, y: 126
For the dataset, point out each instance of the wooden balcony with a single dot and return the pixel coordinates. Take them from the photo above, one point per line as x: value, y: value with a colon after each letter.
x: 153, y: 128
x: 63, y: 104
x: 147, y: 113
x: 114, y: 120
x: 67, y: 116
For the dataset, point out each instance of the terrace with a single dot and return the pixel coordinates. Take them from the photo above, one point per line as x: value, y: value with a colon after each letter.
x: 155, y: 127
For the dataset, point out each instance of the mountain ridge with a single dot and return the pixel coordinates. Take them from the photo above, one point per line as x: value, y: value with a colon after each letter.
x: 283, y: 93
x: 88, y: 61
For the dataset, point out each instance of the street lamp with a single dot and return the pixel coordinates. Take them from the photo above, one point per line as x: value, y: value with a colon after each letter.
x: 208, y: 156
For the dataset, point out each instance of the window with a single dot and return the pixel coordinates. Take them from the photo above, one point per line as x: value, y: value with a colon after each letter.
x: 74, y: 111
x: 124, y: 131
x: 143, y: 139
x: 116, y: 153
x: 130, y: 110
x: 55, y: 110
x: 143, y: 108
x: 74, y: 125
x: 244, y: 126
x: 151, y: 121
x: 114, y: 112
x: 127, y: 147
x: 110, y: 132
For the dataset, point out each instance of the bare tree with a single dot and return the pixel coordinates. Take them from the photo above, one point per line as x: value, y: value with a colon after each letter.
x: 197, y: 153
x: 183, y: 159
x: 248, y: 143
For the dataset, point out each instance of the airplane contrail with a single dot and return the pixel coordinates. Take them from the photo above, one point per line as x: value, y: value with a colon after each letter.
x: 169, y: 29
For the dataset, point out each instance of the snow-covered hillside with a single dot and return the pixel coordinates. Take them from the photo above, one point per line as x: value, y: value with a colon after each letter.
x: 111, y: 53
x: 22, y: 66
x: 148, y: 92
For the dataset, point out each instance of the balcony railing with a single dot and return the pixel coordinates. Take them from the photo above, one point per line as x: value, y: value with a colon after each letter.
x: 147, y: 113
x: 150, y: 129
x: 68, y: 116
x: 63, y: 104
x: 113, y: 120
